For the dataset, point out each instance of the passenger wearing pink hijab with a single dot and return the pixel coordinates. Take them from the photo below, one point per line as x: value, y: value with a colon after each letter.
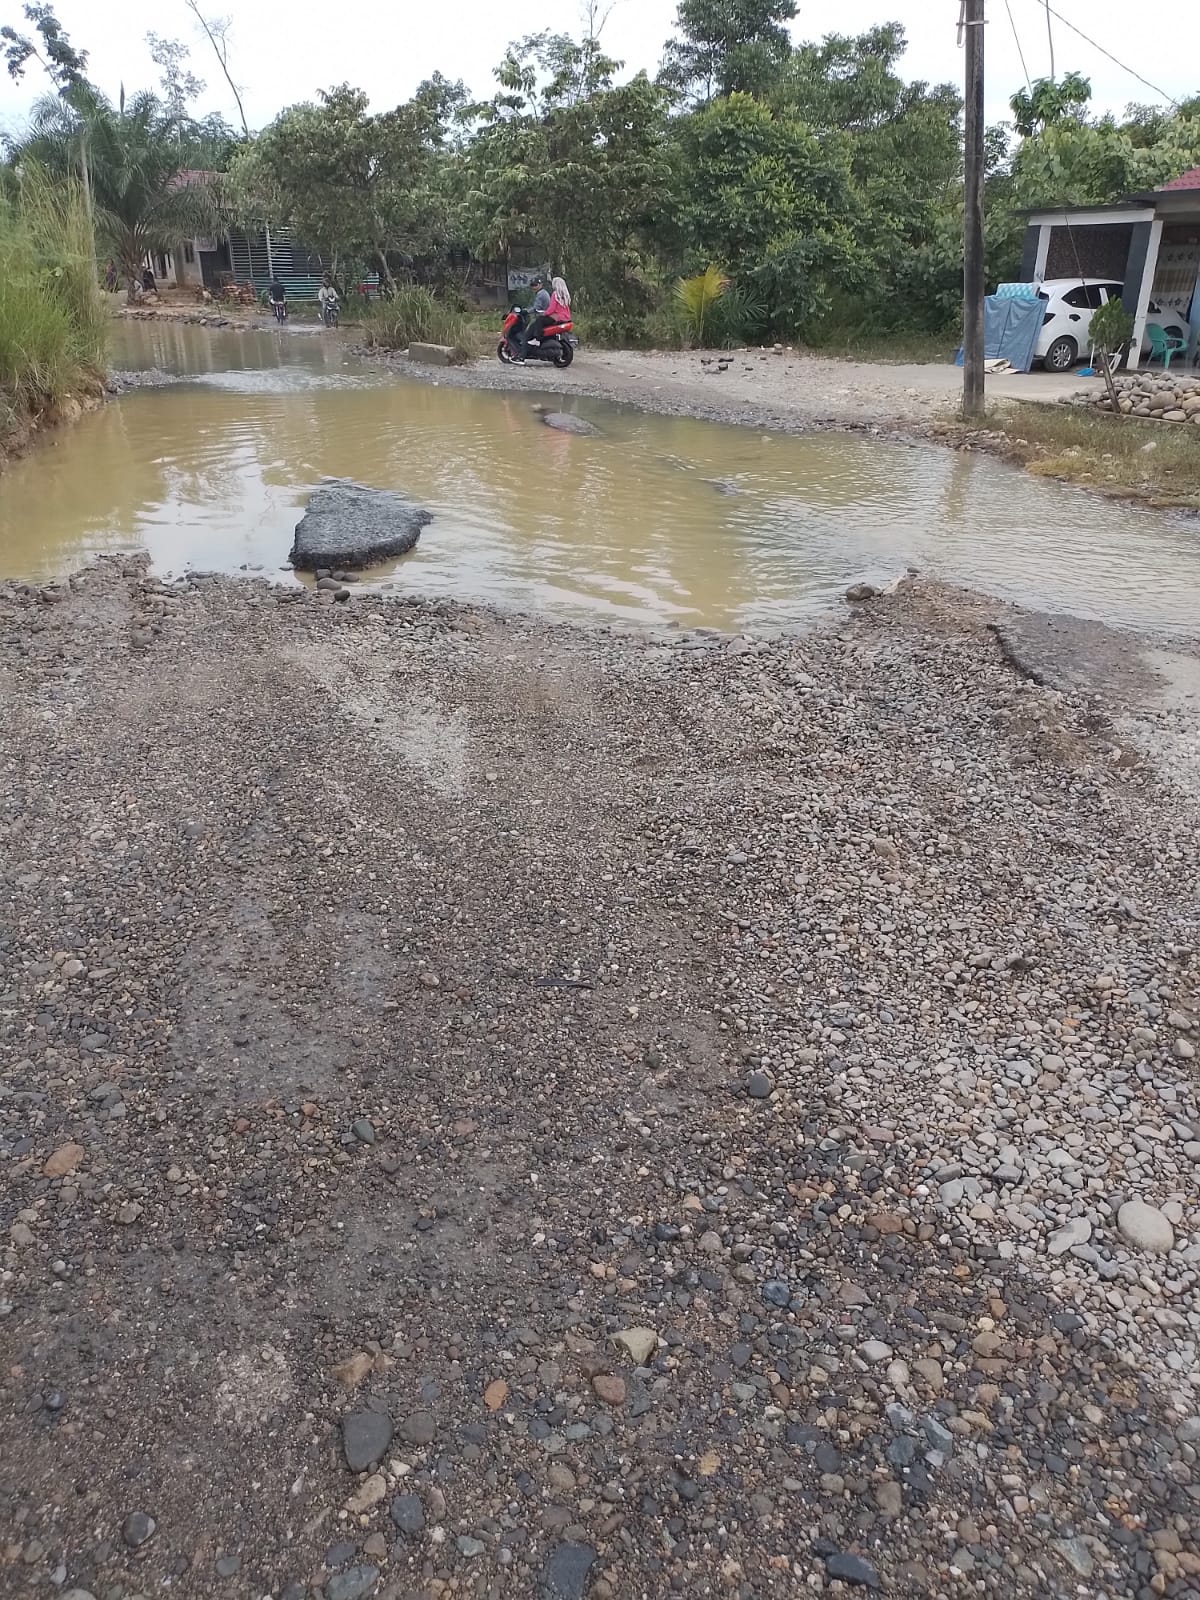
x: 559, y: 309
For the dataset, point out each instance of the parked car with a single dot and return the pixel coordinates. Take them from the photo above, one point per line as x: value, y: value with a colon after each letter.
x: 1070, y: 302
x: 1069, y: 306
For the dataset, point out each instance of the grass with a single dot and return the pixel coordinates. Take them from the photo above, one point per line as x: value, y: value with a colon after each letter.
x: 415, y: 316
x: 1123, y: 456
x: 53, y: 324
x: 886, y: 349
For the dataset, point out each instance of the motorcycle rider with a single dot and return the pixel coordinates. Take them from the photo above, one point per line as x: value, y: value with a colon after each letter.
x: 538, y: 319
x: 277, y: 294
x: 326, y: 295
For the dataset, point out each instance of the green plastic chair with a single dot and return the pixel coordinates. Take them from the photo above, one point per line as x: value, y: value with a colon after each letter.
x: 1163, y: 345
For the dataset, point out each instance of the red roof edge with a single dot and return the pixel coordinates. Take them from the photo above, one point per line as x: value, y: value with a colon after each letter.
x: 1186, y: 180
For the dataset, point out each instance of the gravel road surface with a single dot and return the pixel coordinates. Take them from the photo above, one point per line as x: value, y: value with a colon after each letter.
x: 491, y: 1109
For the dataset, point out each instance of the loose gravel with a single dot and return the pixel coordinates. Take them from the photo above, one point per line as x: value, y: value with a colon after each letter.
x: 496, y: 1110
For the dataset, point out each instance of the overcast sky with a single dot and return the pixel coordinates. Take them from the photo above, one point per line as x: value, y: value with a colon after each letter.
x: 283, y: 54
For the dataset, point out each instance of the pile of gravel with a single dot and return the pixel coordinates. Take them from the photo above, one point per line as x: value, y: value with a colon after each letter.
x: 498, y: 1109
x: 1171, y: 397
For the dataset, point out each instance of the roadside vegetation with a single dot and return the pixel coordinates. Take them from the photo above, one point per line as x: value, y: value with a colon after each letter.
x: 414, y: 315
x: 52, y: 323
x: 1125, y: 456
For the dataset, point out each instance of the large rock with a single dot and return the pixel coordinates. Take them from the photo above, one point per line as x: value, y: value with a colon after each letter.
x: 436, y: 355
x: 1145, y: 1227
x: 565, y: 422
x: 350, y: 525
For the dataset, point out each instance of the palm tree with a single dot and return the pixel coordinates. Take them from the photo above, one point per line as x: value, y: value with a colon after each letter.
x: 127, y: 158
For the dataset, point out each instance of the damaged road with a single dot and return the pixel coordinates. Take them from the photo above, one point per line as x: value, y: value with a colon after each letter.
x: 496, y: 1109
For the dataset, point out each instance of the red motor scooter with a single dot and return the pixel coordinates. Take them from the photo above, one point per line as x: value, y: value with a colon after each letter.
x: 557, y: 343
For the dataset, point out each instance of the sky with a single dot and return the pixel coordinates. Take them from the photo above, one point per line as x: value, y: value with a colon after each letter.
x: 283, y: 55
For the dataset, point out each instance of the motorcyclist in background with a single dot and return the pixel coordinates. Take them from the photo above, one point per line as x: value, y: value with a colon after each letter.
x: 327, y: 295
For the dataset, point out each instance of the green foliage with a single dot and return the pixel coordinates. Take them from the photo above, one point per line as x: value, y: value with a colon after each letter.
x: 1050, y: 101
x: 766, y: 196
x: 127, y: 158
x: 52, y: 324
x: 65, y: 66
x: 355, y: 185
x: 564, y: 160
x: 698, y: 298
x: 1111, y: 328
x: 413, y: 314
x: 741, y: 316
x: 727, y: 46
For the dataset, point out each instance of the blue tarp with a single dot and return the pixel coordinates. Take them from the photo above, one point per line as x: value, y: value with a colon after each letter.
x: 1010, y: 330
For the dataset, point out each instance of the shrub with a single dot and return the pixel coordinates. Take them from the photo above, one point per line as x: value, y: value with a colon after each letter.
x: 698, y: 298
x: 415, y: 315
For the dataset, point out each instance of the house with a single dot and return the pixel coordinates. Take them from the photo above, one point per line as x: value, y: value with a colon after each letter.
x: 254, y: 256
x: 1149, y: 242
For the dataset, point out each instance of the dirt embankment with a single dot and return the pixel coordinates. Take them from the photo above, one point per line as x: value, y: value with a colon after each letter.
x: 494, y: 1109
x: 21, y: 434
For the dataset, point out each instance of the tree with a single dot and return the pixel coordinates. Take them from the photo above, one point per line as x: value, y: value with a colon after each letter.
x: 903, y: 145
x: 179, y: 86
x: 570, y: 162
x: 351, y: 184
x: 773, y: 204
x: 1051, y: 101
x: 65, y: 66
x: 727, y: 46
x: 216, y: 31
x: 139, y: 206
x: 1110, y: 330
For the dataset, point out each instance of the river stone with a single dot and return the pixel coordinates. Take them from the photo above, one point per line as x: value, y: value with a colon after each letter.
x: 641, y: 1343
x: 353, y: 1584
x: 365, y: 1436
x: 852, y: 1569
x: 1145, y: 1227
x: 349, y: 525
x: 408, y: 1514
x: 564, y: 422
x: 565, y: 1576
x: 137, y: 1528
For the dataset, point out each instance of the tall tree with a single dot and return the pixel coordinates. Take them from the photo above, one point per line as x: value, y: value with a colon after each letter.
x: 1050, y: 101
x: 217, y: 30
x: 353, y: 185
x: 771, y: 202
x: 65, y: 66
x: 568, y: 162
x: 139, y: 205
x: 180, y: 86
x: 725, y: 46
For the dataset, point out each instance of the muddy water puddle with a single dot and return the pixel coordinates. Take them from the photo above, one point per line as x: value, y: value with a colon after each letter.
x: 656, y: 520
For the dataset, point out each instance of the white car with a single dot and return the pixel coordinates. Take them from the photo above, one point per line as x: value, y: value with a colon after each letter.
x: 1069, y: 306
x: 1070, y: 302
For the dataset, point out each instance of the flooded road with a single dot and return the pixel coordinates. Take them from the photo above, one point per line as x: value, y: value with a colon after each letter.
x: 659, y: 519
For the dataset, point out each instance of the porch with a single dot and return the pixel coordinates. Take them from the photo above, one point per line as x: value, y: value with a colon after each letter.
x: 1150, y: 243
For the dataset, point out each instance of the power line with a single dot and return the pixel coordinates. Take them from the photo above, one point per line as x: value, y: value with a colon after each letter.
x: 1116, y: 60
x: 1017, y: 37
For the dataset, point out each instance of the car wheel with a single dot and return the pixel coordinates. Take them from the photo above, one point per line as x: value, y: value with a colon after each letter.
x: 1061, y: 356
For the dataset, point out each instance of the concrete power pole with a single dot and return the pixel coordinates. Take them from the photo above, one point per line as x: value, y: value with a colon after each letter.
x: 971, y: 25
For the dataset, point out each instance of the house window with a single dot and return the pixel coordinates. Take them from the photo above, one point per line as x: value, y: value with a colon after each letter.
x: 189, y: 255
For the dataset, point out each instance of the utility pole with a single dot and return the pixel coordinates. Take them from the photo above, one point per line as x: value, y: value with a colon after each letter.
x: 971, y: 25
